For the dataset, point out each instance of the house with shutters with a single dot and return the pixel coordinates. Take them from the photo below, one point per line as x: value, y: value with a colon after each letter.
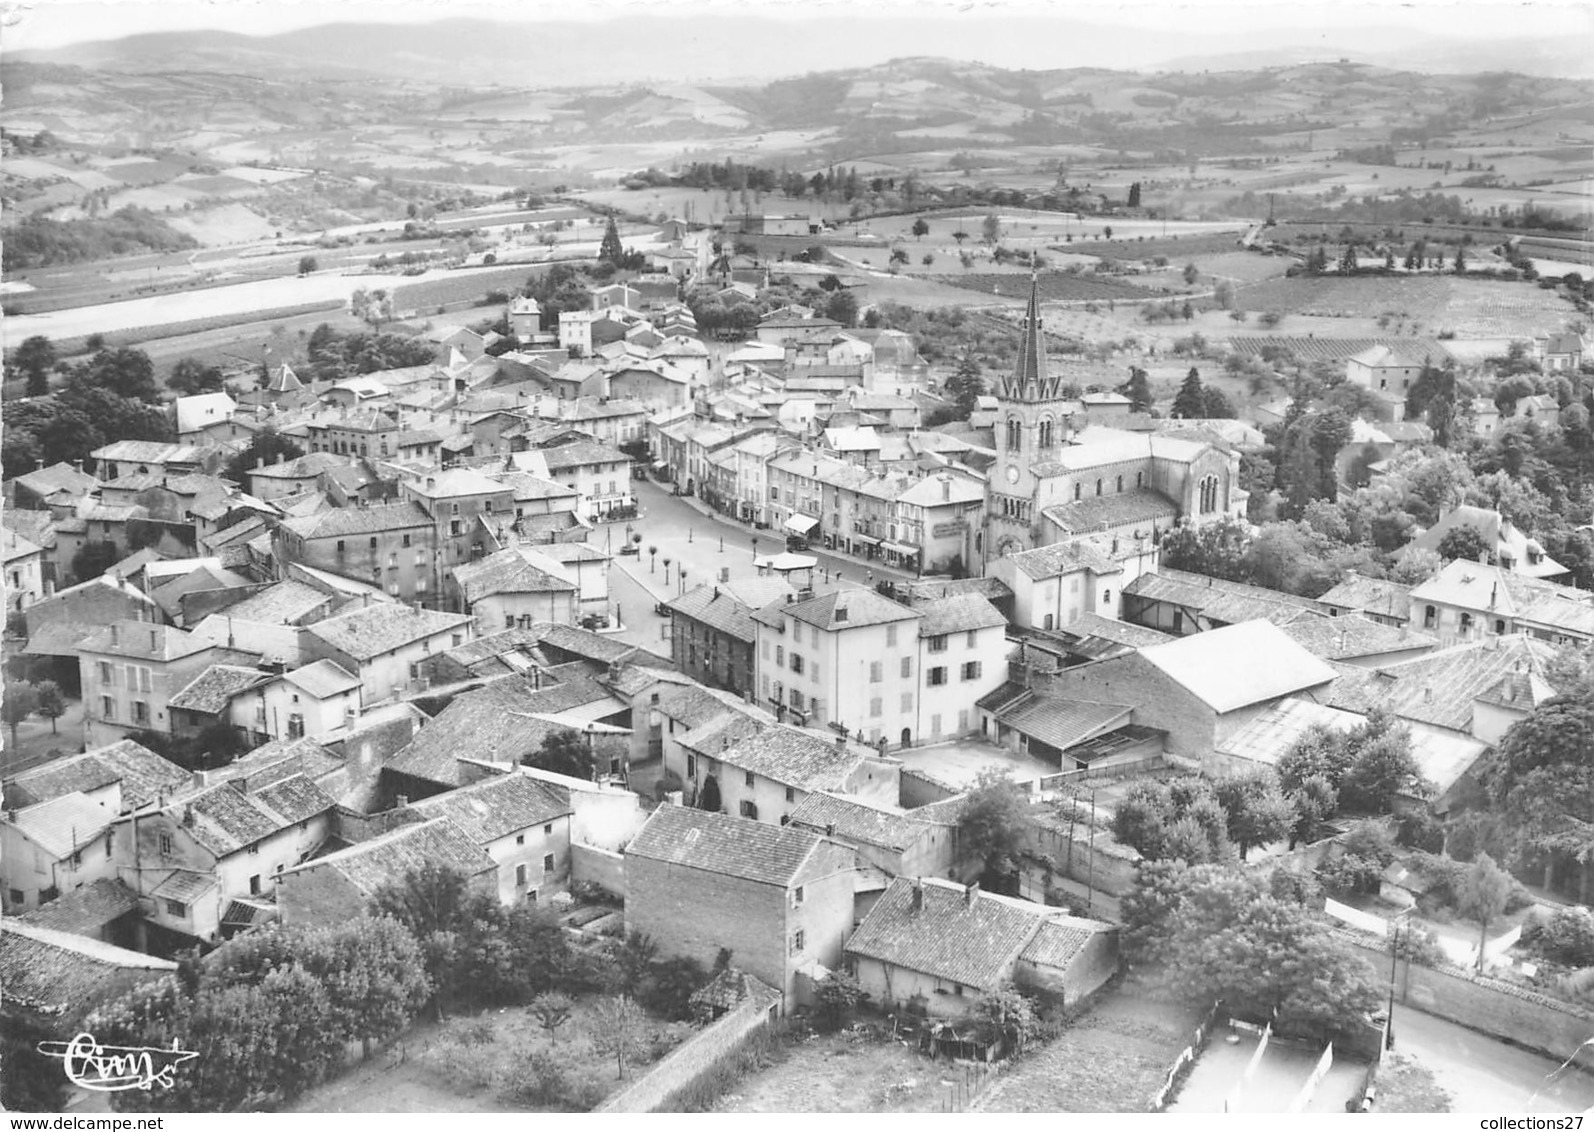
x: 515, y: 587
x: 1055, y: 585
x: 54, y: 847
x: 383, y: 645
x: 522, y: 823
x: 779, y: 899
x: 390, y: 546
x: 303, y: 703
x: 712, y: 633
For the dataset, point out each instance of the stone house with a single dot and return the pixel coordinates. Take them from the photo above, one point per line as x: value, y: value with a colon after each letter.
x: 524, y: 826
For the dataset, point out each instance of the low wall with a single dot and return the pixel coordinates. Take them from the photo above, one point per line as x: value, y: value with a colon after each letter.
x: 1180, y: 1069
x: 663, y: 1085
x: 918, y: 789
x: 1490, y: 1006
x: 591, y: 865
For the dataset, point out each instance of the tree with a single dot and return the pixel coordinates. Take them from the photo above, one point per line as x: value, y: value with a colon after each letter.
x: 1191, y: 399
x: 34, y: 357
x: 1215, y: 405
x: 93, y: 559
x: 620, y: 1028
x: 994, y: 822
x: 191, y: 376
x: 551, y: 1010
x: 268, y: 447
x: 1485, y: 891
x: 374, y: 306
x: 1464, y: 542
x: 565, y: 751
x: 375, y: 976
x: 921, y: 228
x: 307, y: 264
x: 51, y: 704
x: 1541, y: 783
x: 1460, y: 265
x: 1138, y: 390
x: 835, y: 998
x: 1006, y: 1017
x: 1313, y: 802
x: 1218, y: 549
x: 1255, y: 810
x: 843, y: 307
x: 1191, y: 273
x: 1134, y: 194
x: 19, y: 702
x: 965, y: 386
x: 609, y: 250
x: 991, y: 228
x: 960, y: 236
x: 124, y: 372
x: 1382, y: 769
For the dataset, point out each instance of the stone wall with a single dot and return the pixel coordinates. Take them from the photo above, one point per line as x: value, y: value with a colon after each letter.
x: 661, y: 1088
x: 591, y: 865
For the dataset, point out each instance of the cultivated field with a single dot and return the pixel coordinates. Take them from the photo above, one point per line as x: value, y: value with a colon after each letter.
x: 844, y: 1073
x: 1472, y: 308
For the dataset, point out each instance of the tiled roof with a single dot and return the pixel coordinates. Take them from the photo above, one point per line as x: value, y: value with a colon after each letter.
x: 1267, y: 737
x: 1061, y: 722
x: 508, y: 571
x: 285, y: 603
x: 726, y: 845
x: 142, y: 772
x: 948, y: 937
x: 346, y: 521
x: 581, y: 453
x: 793, y: 756
x: 377, y: 629
x: 1352, y: 635
x: 497, y: 807
x: 184, y: 885
x: 387, y: 859
x: 493, y: 724
x: 1059, y: 941
x: 1096, y: 512
x: 695, y: 705
x: 960, y: 613
x: 224, y: 820
x: 147, y: 452
x: 1063, y: 558
x: 1440, y: 688
x: 65, y: 824
x: 56, y: 972
x: 851, y: 820
x: 214, y: 688
x: 58, y: 477
x: 283, y: 758
x: 1371, y: 595
x: 1238, y: 665
x: 1219, y: 599
x: 1496, y: 592
x: 846, y: 609
x: 1094, y: 625
x: 321, y: 679
x: 86, y: 910
x: 729, y: 608
x: 78, y: 773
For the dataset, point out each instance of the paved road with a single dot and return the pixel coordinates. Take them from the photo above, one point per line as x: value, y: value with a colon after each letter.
x: 1485, y: 1075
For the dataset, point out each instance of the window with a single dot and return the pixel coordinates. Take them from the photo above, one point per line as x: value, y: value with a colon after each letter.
x: 907, y: 667
x: 780, y: 656
x: 749, y: 809
x: 1466, y: 622
x: 107, y: 708
x: 105, y: 673
x: 296, y: 726
x: 876, y: 672
x: 17, y: 896
x: 797, y: 699
x: 907, y: 702
x: 691, y: 766
x: 938, y: 644
x: 166, y: 844
x: 520, y: 876
x: 749, y: 778
x: 972, y: 640
x: 791, y: 794
x: 373, y: 542
x: 1178, y: 621
x: 797, y: 896
x: 405, y: 542
x: 874, y: 708
x: 797, y: 663
x: 254, y: 885
x: 547, y: 830
x: 1077, y: 492
x: 1098, y: 487
x: 253, y: 849
x: 340, y: 546
x: 1120, y: 483
x: 140, y: 711
x: 1106, y: 597
x: 797, y: 942
x: 936, y: 677
x: 971, y: 670
x: 1499, y: 627
x: 891, y: 636
x: 1429, y: 616
x: 547, y: 862
x: 177, y: 908
x: 457, y: 639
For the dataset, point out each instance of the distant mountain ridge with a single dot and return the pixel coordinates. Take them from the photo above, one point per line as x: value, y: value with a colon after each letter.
x: 732, y: 47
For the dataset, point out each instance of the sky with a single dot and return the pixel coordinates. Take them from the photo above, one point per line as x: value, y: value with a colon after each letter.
x: 54, y: 23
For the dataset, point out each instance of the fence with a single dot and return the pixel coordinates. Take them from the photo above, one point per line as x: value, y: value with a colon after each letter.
x: 1182, y: 1063
x: 969, y: 1082
x: 1231, y: 1103
x: 1151, y: 764
x: 1304, y: 1097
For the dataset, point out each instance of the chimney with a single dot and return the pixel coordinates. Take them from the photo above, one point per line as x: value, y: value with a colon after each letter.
x: 971, y: 894
x: 917, y: 900
x: 1494, y: 594
x: 260, y: 462
x: 841, y: 742
x: 830, y: 829
x: 946, y: 488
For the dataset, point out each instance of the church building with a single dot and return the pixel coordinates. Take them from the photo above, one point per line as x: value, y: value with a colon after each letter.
x: 1057, y: 478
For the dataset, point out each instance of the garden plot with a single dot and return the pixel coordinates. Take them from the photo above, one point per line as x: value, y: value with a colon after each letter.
x: 845, y: 1072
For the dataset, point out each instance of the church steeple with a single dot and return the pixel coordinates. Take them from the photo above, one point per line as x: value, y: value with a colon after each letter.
x: 1030, y: 381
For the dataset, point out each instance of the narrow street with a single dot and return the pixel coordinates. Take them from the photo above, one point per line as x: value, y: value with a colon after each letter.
x: 1483, y: 1074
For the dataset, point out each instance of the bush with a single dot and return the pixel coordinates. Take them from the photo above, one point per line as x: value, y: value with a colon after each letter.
x: 1419, y: 829
x: 1567, y: 936
x: 541, y: 1081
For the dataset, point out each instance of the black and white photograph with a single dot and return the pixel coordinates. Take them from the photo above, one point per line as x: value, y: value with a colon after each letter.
x: 796, y: 557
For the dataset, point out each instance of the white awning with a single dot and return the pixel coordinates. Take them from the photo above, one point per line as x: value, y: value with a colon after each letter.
x: 801, y: 524
x: 898, y: 549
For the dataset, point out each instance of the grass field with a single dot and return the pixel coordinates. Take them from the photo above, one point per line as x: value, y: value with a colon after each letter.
x: 1472, y: 308
x: 1111, y: 1059
x: 1054, y: 286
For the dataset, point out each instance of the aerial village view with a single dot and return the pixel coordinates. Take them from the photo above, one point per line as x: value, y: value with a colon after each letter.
x: 745, y: 561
